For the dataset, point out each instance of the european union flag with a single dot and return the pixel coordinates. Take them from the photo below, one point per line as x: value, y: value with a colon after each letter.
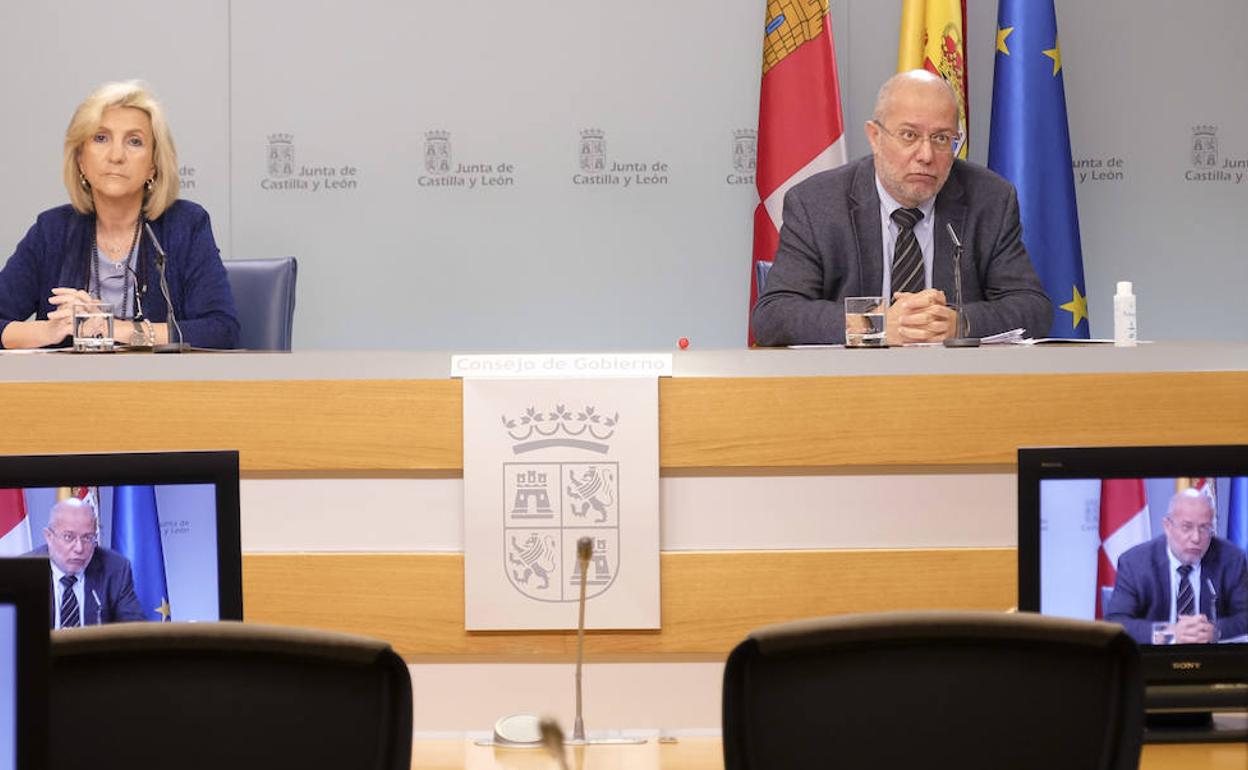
x: 1030, y: 146
x: 136, y: 535
x: 1237, y: 513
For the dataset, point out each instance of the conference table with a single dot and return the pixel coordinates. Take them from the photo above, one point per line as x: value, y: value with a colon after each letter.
x: 705, y: 753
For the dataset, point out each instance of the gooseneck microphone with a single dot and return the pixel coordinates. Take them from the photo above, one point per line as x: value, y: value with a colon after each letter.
x: 140, y: 289
x: 527, y: 730
x: 552, y: 739
x: 170, y: 347
x: 584, y: 549
x: 99, y: 608
x: 958, y: 340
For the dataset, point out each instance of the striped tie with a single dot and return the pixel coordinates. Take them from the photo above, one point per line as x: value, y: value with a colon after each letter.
x: 1187, y: 600
x: 907, y: 270
x: 69, y: 603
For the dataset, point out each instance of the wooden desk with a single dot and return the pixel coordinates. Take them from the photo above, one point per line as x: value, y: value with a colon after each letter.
x: 725, y: 413
x: 707, y: 754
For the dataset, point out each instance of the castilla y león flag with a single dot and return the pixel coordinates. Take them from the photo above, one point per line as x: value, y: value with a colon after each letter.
x: 1124, y: 523
x: 14, y: 526
x: 800, y: 128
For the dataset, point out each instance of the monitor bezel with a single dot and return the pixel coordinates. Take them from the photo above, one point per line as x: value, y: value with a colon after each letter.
x: 219, y: 468
x: 1181, y: 663
x: 24, y: 584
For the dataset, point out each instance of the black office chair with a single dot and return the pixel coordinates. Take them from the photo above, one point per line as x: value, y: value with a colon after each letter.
x: 264, y: 294
x: 934, y: 689
x: 226, y: 695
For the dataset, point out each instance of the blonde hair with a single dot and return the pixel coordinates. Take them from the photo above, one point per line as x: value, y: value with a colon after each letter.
x: 86, y: 121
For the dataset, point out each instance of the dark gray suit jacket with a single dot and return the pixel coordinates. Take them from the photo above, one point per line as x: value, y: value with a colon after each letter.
x: 108, y: 586
x: 1142, y: 591
x: 831, y: 248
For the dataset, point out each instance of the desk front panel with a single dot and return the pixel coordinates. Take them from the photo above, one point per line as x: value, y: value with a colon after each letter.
x: 706, y: 425
x: 709, y: 426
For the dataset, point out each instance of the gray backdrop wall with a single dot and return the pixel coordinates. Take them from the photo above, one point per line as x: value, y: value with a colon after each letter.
x: 423, y: 160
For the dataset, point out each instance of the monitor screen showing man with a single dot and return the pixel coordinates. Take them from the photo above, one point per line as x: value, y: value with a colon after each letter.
x: 1185, y: 586
x: 127, y: 536
x: 91, y: 584
x: 8, y: 686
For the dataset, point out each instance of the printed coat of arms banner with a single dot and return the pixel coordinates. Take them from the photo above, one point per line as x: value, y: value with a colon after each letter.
x: 547, y: 462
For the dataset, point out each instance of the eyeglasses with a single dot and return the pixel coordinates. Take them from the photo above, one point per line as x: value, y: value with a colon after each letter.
x: 69, y: 538
x: 909, y: 138
x: 1187, y: 528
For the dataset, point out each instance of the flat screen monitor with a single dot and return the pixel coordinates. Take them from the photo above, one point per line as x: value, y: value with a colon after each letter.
x: 1103, y: 533
x: 23, y: 663
x: 167, y: 543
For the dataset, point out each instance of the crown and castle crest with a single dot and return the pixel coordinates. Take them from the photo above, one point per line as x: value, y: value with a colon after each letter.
x: 281, y: 161
x: 593, y: 149
x: 1204, y: 146
x: 438, y: 152
x: 744, y: 149
x: 561, y: 427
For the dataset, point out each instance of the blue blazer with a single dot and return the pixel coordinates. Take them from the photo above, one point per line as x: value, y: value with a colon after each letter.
x: 56, y: 252
x: 1142, y: 592
x: 108, y: 588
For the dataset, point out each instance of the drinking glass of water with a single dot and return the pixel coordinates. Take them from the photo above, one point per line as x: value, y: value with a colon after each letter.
x: 1163, y: 633
x: 864, y: 322
x: 93, y: 327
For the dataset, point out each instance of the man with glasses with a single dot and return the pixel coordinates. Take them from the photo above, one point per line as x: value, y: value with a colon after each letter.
x: 1189, y: 579
x: 90, y: 583
x: 881, y: 226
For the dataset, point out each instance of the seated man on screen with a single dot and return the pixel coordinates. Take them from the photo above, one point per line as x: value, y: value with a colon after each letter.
x: 1188, y: 577
x: 880, y: 226
x: 90, y: 583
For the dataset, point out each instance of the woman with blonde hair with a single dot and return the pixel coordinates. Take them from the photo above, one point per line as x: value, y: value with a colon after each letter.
x: 121, y: 172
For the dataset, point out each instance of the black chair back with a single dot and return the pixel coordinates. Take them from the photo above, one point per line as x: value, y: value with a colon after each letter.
x: 934, y: 689
x: 264, y: 295
x: 226, y: 695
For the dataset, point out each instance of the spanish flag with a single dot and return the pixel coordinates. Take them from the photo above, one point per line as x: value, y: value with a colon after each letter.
x: 933, y: 38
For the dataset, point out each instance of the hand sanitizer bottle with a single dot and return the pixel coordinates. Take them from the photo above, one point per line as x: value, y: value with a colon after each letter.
x: 1124, y: 316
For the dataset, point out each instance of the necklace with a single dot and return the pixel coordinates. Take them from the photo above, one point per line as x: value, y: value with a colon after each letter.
x: 130, y: 289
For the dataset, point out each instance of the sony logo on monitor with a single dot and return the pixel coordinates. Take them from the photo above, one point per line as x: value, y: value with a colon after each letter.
x: 1185, y: 665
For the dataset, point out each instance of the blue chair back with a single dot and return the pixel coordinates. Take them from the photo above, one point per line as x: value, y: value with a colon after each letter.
x: 762, y: 267
x: 264, y: 293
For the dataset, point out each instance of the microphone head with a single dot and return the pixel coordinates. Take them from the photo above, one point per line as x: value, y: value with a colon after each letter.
x: 552, y: 734
x: 584, y: 549
x: 953, y: 235
x: 160, y: 253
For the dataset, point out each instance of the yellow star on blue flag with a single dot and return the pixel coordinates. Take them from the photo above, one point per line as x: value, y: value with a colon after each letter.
x: 1077, y: 307
x: 1054, y: 53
